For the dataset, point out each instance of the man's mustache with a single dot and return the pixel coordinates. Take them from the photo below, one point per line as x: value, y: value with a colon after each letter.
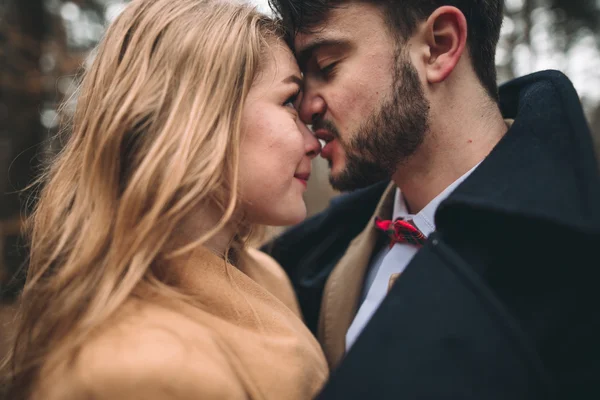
x: 319, y: 123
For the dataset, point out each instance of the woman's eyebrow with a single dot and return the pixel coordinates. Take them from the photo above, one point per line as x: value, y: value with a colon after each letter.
x: 294, y: 79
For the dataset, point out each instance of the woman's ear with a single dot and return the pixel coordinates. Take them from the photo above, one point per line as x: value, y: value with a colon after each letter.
x: 446, y: 36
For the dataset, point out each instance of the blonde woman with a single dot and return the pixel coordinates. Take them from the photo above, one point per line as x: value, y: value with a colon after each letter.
x: 140, y: 285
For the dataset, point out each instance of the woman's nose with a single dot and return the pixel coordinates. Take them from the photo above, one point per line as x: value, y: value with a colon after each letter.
x: 312, y: 146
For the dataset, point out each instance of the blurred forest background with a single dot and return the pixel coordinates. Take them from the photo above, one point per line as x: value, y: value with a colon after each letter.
x: 45, y: 43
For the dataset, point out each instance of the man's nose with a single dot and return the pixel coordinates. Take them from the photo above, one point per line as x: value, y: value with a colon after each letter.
x: 312, y: 106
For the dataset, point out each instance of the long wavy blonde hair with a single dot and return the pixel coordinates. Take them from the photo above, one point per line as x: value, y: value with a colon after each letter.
x: 155, y: 136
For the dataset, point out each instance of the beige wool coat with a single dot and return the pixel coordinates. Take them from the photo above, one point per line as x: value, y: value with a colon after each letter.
x: 244, y: 340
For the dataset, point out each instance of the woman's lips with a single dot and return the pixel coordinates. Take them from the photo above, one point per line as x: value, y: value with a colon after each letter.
x: 303, y: 178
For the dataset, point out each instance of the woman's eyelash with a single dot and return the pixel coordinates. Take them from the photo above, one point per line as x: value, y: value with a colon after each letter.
x: 292, y: 99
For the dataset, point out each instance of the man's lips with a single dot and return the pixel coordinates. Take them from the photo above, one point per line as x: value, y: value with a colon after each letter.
x: 327, y: 150
x: 328, y: 138
x: 324, y: 134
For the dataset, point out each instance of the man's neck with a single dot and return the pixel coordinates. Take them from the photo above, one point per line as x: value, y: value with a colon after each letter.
x: 450, y: 150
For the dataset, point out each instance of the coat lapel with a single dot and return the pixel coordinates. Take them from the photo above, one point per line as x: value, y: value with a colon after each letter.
x: 344, y: 286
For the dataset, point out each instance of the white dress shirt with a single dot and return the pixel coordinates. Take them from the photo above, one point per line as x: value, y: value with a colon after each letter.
x: 389, y: 262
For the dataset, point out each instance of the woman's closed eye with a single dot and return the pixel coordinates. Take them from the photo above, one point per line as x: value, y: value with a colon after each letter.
x: 291, y: 101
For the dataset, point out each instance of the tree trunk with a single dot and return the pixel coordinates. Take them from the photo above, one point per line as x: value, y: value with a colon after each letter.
x: 21, y: 99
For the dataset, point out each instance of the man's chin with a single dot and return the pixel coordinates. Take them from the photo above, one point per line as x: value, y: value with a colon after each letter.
x: 348, y: 183
x: 339, y: 178
x: 358, y: 175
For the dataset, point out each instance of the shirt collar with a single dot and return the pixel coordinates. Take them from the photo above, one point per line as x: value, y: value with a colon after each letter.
x: 424, y: 219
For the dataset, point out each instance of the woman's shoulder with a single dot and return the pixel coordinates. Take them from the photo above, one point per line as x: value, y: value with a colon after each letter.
x: 151, y: 355
x: 267, y: 264
x: 268, y: 273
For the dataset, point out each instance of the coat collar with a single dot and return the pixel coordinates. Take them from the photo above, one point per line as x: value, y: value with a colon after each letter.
x: 340, y: 298
x: 543, y: 169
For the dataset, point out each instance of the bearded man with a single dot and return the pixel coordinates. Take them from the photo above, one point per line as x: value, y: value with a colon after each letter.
x: 461, y: 263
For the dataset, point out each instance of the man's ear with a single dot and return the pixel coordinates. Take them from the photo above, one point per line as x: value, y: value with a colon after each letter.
x: 446, y: 36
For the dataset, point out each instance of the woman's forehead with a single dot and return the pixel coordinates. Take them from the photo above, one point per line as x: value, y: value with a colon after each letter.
x: 278, y: 63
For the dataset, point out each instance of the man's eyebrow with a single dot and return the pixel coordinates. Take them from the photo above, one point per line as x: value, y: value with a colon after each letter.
x: 304, y: 55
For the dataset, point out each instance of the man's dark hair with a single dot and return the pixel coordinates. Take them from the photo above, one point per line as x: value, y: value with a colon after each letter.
x: 484, y: 19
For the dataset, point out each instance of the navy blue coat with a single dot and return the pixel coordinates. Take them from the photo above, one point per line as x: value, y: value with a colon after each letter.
x: 502, y: 302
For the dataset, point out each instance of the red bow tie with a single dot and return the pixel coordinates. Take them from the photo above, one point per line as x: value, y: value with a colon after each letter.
x: 401, y: 231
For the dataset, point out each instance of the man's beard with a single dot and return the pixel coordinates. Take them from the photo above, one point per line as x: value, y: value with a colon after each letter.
x: 389, y: 136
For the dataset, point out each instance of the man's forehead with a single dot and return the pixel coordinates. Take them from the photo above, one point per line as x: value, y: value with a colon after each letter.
x: 304, y: 41
x: 338, y: 25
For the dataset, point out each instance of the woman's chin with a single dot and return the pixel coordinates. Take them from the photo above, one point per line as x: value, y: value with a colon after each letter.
x: 290, y: 216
